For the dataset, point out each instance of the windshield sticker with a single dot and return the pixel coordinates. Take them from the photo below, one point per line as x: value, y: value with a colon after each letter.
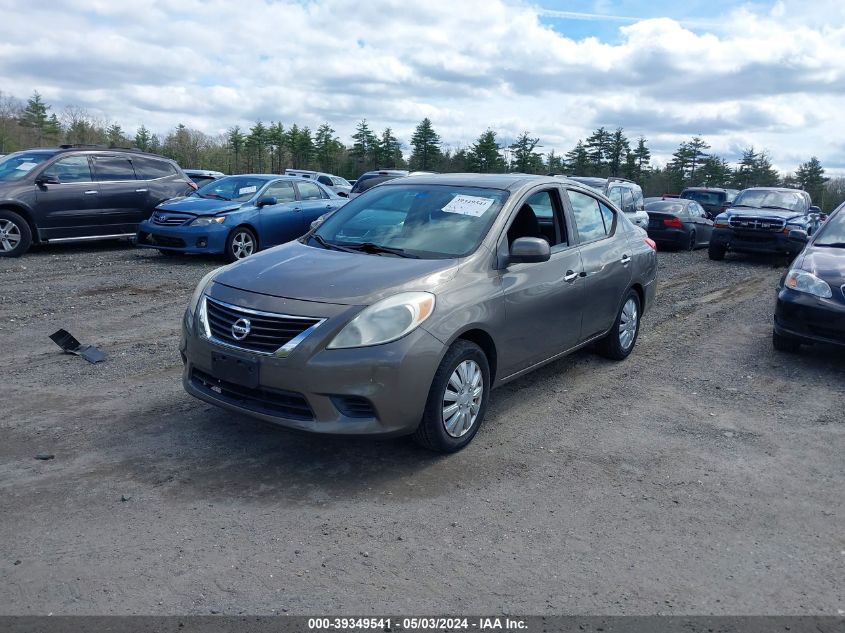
x: 245, y: 190
x: 25, y: 166
x: 469, y: 205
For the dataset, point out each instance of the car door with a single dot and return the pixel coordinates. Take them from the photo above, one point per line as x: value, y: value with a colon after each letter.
x: 67, y: 206
x: 280, y: 222
x: 605, y: 257
x: 703, y: 224
x: 313, y: 202
x: 122, y: 199
x: 543, y: 301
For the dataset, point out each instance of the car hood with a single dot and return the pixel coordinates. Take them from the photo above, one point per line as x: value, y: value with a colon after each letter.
x: 750, y: 212
x: 297, y: 271
x: 198, y: 206
x: 825, y: 263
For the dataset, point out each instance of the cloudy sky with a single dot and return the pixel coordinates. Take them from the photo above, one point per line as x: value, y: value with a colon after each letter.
x: 767, y: 74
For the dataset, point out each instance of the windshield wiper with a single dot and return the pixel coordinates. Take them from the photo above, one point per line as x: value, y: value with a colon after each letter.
x: 210, y: 194
x: 774, y: 206
x: 831, y: 244
x: 330, y: 245
x: 377, y: 249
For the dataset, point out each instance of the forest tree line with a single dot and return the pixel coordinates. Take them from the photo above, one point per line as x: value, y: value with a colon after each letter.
x: 273, y: 147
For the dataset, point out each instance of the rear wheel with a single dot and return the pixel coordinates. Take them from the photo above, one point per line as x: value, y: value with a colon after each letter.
x: 15, y: 234
x: 716, y: 252
x: 784, y: 343
x: 619, y: 342
x: 241, y: 243
x: 457, y: 400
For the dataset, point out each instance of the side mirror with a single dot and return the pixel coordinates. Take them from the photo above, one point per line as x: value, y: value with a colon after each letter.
x: 343, y: 194
x: 797, y: 235
x: 266, y: 201
x: 815, y: 209
x: 529, y: 250
x: 47, y: 180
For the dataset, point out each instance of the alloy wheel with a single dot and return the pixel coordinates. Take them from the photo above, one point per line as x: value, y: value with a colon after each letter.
x: 10, y: 235
x: 628, y: 322
x: 243, y: 245
x: 462, y: 398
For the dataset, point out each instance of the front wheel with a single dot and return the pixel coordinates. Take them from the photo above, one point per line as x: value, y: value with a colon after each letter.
x: 619, y: 342
x: 457, y: 400
x: 15, y: 234
x: 716, y: 252
x: 241, y: 243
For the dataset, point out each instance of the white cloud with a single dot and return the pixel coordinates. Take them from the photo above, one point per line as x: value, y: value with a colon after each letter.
x: 773, y: 78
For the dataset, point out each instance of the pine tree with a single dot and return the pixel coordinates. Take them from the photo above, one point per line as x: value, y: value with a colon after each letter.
x: 389, y: 150
x: 485, y: 156
x: 554, y: 163
x: 235, y: 139
x: 255, y: 143
x: 642, y: 155
x: 275, y: 138
x: 810, y: 177
x: 425, y: 144
x: 525, y: 159
x: 365, y: 146
x: 143, y: 138
x: 764, y: 175
x: 598, y: 149
x: 34, y: 117
x: 326, y: 148
x: 617, y: 152
x: 696, y: 148
x: 744, y: 173
x: 115, y: 136
x: 714, y: 172
x: 578, y: 160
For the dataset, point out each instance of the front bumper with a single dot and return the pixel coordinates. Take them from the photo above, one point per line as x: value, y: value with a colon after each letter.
x: 183, y: 239
x: 809, y: 318
x: 379, y: 390
x: 755, y: 241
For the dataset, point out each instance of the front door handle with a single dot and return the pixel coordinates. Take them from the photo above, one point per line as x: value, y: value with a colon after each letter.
x: 92, y: 192
x: 570, y: 275
x: 141, y: 190
x: 626, y: 259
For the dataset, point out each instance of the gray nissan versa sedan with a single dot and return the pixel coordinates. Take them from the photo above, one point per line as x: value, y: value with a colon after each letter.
x: 401, y: 311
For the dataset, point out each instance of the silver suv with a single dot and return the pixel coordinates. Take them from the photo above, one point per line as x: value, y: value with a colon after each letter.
x: 625, y: 194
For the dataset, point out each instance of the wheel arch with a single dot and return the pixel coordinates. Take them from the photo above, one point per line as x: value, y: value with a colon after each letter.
x: 26, y: 214
x: 251, y: 227
x: 485, y: 341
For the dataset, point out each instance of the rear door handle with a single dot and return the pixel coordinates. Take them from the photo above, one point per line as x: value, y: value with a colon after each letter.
x: 297, y: 208
x: 141, y: 190
x: 92, y: 192
x: 570, y: 275
x: 626, y: 259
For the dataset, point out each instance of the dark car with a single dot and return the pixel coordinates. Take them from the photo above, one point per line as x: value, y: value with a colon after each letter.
x: 713, y: 199
x: 81, y: 192
x: 760, y: 219
x: 238, y: 215
x: 678, y: 223
x: 401, y: 311
x: 202, y: 177
x: 811, y: 295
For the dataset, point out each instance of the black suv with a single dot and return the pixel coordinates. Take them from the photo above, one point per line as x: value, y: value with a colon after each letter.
x: 81, y: 192
x: 713, y: 199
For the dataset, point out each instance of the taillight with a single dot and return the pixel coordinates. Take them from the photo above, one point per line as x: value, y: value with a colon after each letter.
x: 674, y: 223
x: 651, y: 243
x: 193, y: 185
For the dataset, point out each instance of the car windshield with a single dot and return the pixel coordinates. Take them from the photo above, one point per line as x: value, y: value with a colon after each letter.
x: 16, y: 166
x: 427, y: 221
x: 237, y: 188
x: 766, y: 198
x: 832, y: 232
x: 705, y: 197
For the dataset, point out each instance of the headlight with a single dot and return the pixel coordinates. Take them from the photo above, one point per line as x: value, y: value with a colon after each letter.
x: 200, y: 289
x: 386, y: 320
x: 802, y: 281
x: 206, y: 220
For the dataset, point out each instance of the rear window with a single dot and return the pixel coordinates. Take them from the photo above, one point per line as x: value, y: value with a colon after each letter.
x: 366, y: 182
x: 151, y: 168
x: 705, y: 197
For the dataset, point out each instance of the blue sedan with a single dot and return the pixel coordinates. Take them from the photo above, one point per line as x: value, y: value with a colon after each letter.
x: 237, y: 216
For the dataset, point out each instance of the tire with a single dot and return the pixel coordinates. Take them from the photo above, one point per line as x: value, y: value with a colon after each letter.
x: 241, y: 243
x: 620, y: 341
x: 785, y: 343
x: 15, y: 234
x: 691, y: 243
x: 716, y: 252
x: 433, y: 432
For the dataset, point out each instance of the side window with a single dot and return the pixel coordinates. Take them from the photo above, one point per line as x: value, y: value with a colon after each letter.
x: 70, y: 169
x: 609, y: 218
x: 325, y: 180
x: 151, y: 168
x: 615, y: 196
x: 282, y: 191
x: 107, y: 168
x: 589, y: 219
x: 309, y: 191
x: 628, y: 202
x: 539, y: 217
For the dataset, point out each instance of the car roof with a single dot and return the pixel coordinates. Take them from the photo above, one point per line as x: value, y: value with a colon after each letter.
x: 203, y: 172
x: 508, y: 182
x: 782, y: 189
x: 705, y: 189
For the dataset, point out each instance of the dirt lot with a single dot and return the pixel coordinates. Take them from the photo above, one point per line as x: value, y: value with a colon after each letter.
x: 703, y: 475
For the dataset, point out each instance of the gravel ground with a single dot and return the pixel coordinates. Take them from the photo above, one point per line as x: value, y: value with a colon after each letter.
x: 704, y: 475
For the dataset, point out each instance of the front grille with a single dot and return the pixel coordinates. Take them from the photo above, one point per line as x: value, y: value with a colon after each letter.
x: 757, y: 224
x: 354, y: 406
x: 170, y: 219
x: 163, y: 240
x: 288, y: 404
x: 266, y: 332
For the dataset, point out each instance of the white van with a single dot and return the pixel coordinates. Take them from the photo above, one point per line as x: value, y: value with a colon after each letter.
x: 337, y: 184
